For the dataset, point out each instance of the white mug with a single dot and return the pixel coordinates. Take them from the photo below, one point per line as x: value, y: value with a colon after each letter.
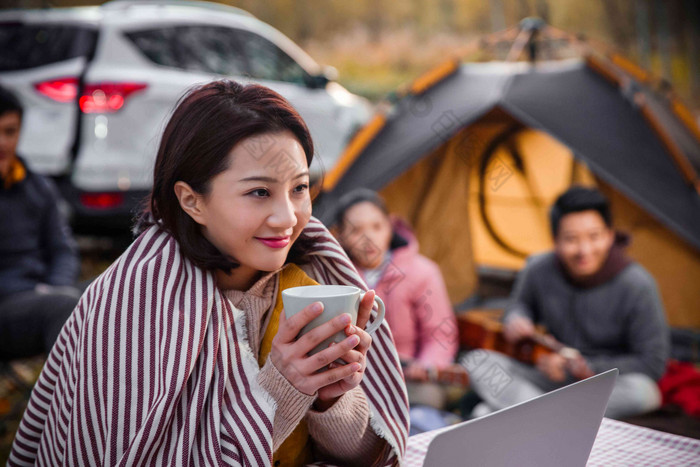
x: 336, y: 299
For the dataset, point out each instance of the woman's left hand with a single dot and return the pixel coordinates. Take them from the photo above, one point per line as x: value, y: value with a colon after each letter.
x: 327, y: 395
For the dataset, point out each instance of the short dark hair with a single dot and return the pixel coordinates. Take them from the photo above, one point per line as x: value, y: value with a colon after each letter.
x: 10, y: 103
x: 208, y: 122
x: 357, y: 196
x: 577, y: 199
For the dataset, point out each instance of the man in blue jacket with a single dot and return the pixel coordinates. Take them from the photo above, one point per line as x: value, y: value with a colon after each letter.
x: 38, y: 260
x: 602, y: 306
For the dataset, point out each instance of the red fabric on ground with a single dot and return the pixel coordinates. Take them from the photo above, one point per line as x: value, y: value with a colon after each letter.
x: 681, y: 385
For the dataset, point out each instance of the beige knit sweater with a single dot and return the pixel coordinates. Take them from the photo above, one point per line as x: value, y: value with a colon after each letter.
x: 340, y: 433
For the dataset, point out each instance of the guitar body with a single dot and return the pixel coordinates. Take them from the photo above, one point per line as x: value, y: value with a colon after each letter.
x: 482, y: 329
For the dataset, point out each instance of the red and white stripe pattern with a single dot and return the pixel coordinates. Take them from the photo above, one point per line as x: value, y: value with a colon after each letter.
x: 153, y: 368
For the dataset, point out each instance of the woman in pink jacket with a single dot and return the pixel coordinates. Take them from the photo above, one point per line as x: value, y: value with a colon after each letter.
x: 418, y: 310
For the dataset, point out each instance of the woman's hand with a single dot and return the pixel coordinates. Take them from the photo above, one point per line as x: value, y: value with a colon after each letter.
x: 290, y: 356
x: 331, y: 392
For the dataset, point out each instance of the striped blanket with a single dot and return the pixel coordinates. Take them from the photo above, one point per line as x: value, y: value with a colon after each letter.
x: 153, y: 368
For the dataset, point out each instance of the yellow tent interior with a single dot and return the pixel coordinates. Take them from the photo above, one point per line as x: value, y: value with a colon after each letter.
x: 489, y: 189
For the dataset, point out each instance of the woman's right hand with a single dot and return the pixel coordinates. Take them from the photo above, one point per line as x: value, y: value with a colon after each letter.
x: 290, y: 356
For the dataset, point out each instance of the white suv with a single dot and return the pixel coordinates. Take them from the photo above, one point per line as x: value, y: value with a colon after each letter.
x: 98, y: 84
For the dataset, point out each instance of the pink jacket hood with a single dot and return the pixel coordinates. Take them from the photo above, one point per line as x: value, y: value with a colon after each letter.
x: 418, y: 308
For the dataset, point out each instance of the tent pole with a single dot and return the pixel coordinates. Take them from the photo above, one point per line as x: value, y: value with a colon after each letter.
x: 521, y: 41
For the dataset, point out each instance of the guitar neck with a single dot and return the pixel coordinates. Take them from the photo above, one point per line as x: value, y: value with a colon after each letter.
x: 547, y: 341
x: 452, y: 376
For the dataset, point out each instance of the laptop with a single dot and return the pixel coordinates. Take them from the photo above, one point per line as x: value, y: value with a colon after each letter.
x: 552, y: 430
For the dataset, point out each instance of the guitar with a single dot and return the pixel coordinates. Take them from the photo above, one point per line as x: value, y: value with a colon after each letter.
x: 482, y: 329
x: 453, y: 375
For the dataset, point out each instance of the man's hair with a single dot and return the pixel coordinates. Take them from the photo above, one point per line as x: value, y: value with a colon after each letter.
x: 9, y: 103
x: 578, y: 199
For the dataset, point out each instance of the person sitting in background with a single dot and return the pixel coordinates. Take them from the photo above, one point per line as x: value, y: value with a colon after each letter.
x: 38, y: 259
x: 418, y: 310
x: 591, y: 297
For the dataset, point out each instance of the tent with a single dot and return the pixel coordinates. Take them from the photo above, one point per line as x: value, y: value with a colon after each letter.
x: 473, y: 155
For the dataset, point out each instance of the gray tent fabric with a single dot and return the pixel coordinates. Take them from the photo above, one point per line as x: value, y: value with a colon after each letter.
x: 598, y: 121
x: 678, y: 133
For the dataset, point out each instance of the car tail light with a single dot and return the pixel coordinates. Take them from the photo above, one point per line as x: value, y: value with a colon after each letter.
x: 101, y: 200
x: 104, y: 97
x: 107, y: 97
x: 60, y: 90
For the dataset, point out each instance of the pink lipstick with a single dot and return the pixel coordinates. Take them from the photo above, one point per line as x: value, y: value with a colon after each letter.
x: 275, y: 242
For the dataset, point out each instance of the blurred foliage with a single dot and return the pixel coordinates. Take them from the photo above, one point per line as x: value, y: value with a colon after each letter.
x: 377, y: 45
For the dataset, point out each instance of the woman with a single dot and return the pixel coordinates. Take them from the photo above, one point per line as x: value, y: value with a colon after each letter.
x: 180, y: 353
x: 418, y: 310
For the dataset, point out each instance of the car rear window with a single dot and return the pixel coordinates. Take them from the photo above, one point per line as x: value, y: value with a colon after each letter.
x: 25, y: 46
x: 219, y: 50
x: 208, y: 49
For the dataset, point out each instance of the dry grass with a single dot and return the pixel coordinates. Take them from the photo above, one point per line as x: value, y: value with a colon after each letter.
x: 375, y: 66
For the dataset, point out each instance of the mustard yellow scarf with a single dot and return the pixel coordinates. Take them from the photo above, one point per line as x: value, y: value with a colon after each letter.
x: 296, y: 449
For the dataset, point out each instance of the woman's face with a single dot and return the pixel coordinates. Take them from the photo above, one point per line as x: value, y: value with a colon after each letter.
x: 366, y: 234
x: 256, y: 208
